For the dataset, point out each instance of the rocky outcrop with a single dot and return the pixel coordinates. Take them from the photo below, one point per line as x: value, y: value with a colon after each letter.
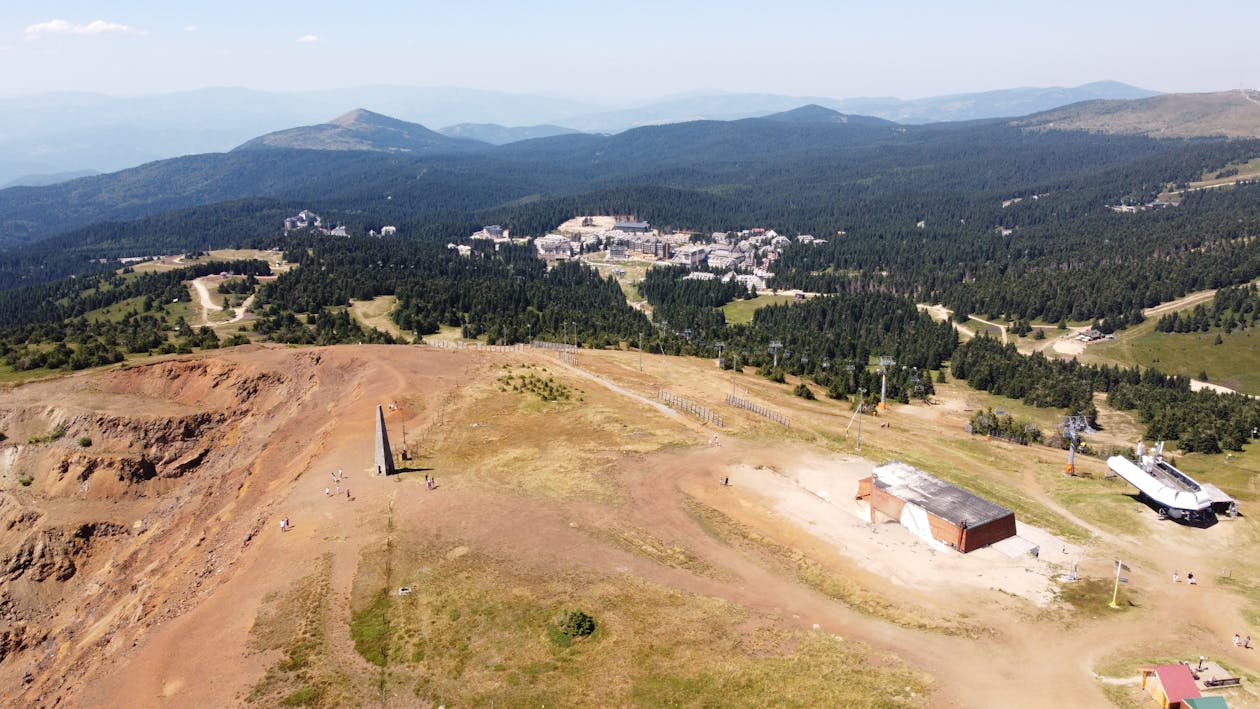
x: 51, y: 553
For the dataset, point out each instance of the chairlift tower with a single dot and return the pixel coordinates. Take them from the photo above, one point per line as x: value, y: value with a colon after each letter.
x: 884, y: 364
x: 1072, y: 428
x: 775, y: 346
x: 719, y: 346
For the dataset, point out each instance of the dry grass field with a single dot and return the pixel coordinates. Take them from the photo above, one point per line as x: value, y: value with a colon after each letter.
x: 559, y: 489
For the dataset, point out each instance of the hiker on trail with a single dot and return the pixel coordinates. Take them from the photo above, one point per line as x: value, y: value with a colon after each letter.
x: 347, y: 493
x: 1176, y: 577
x: 1237, y: 640
x: 1247, y: 642
x: 282, y: 529
x: 327, y: 491
x: 338, y: 488
x: 1190, y: 578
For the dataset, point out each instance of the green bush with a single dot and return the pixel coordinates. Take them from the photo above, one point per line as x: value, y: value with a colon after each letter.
x: 85, y: 442
x: 576, y: 624
x: 26, y: 480
x: 49, y: 437
x: 804, y: 392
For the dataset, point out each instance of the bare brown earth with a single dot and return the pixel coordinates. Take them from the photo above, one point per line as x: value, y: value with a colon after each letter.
x: 148, y: 568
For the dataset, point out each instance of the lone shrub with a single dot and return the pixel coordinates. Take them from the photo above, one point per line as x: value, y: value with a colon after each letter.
x: 576, y: 624
x: 804, y: 392
x: 25, y: 480
x: 85, y: 442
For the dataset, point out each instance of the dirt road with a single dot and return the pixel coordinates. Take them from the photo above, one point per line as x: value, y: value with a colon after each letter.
x: 207, y: 305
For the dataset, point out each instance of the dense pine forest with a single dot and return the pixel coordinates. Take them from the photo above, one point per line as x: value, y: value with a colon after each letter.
x: 1231, y: 308
x: 1203, y: 422
x: 50, y: 326
x: 505, y: 294
x: 983, y: 217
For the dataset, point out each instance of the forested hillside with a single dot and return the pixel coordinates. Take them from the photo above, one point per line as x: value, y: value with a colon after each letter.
x: 506, y: 295
x: 60, y: 325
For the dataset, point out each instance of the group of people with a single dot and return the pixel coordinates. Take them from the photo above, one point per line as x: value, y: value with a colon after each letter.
x: 430, y: 482
x: 1242, y: 642
x: 1189, y: 578
x: 337, y: 478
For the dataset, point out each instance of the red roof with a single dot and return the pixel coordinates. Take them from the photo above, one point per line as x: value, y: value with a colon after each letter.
x: 1177, y: 681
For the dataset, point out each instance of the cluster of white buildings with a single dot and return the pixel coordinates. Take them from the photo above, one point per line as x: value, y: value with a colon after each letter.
x: 748, y: 256
x: 303, y: 220
x: 744, y: 250
x: 494, y: 233
x: 306, y: 219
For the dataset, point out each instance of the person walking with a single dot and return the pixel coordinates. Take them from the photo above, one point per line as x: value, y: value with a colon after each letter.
x: 1247, y: 642
x: 1237, y: 640
x: 1190, y: 578
x: 1176, y: 577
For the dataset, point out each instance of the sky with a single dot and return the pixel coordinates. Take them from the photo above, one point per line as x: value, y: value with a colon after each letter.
x: 599, y: 50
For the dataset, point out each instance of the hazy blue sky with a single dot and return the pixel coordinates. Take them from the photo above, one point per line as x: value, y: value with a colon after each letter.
x: 595, y: 49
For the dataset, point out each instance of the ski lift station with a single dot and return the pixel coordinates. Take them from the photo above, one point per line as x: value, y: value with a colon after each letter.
x: 934, y: 510
x: 1174, y: 493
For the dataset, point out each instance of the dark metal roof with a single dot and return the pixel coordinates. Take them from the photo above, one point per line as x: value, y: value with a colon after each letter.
x: 946, y: 501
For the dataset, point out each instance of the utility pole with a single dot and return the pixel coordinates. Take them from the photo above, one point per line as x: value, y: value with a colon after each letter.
x: 861, y: 403
x: 640, y: 351
x: 775, y: 346
x: 734, y: 369
x: 884, y: 364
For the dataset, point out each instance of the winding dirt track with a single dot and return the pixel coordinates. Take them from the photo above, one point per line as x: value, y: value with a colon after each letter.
x: 203, y: 296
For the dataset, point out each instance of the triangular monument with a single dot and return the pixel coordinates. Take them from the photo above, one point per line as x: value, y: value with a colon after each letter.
x: 384, y: 454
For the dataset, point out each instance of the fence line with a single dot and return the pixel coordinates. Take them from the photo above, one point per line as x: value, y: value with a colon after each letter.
x: 479, y: 346
x: 759, y: 410
x: 547, y: 345
x: 677, y: 402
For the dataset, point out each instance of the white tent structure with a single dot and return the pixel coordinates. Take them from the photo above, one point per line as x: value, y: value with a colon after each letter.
x: 1178, y: 495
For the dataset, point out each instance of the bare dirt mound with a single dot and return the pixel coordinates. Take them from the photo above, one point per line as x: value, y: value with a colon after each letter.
x: 142, y: 562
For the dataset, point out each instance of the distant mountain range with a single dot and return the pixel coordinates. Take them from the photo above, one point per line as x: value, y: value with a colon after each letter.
x: 1235, y: 114
x: 813, y: 113
x: 48, y: 178
x: 56, y: 133
x: 361, y: 129
x: 1003, y: 103
x: 496, y: 134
